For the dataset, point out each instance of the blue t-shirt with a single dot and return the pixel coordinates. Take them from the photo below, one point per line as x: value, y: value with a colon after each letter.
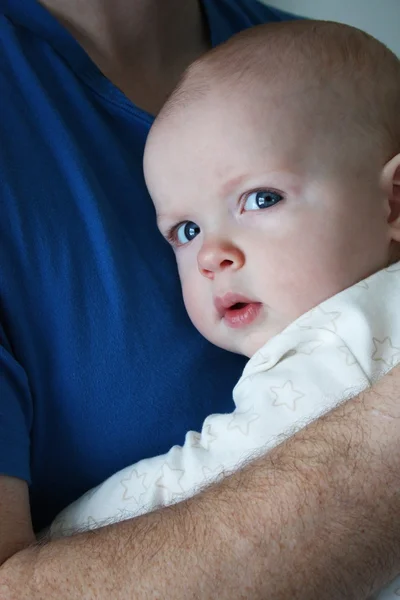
x: 99, y: 364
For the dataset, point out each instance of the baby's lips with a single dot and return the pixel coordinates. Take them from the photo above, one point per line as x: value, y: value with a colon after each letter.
x: 229, y: 299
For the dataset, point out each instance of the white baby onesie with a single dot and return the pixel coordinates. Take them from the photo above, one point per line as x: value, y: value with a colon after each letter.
x: 326, y: 356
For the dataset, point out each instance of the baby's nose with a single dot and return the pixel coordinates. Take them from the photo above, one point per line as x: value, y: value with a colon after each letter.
x: 215, y: 257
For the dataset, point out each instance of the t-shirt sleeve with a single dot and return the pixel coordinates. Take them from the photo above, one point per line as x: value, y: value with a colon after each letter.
x: 15, y: 415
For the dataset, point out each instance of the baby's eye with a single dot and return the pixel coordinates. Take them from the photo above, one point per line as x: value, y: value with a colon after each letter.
x: 185, y: 232
x: 261, y: 199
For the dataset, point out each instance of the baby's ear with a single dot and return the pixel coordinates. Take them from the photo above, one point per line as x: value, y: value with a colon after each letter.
x: 391, y: 185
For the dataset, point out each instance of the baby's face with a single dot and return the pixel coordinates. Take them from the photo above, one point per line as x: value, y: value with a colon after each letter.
x: 265, y: 218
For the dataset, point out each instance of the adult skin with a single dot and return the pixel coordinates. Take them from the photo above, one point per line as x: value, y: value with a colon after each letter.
x: 313, y: 519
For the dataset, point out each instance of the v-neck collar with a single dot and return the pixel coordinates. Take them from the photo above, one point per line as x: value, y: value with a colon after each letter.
x: 32, y: 16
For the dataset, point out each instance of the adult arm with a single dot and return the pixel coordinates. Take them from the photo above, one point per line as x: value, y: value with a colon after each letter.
x: 15, y: 521
x: 316, y: 518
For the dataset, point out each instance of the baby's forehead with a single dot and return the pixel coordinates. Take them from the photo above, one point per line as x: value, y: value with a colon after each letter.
x: 240, y: 116
x: 280, y: 110
x: 276, y: 105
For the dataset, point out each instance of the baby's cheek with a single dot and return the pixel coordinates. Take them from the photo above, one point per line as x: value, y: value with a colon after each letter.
x: 193, y: 297
x: 301, y: 278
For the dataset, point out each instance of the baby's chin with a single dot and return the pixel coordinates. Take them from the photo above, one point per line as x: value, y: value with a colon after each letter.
x: 246, y: 345
x: 248, y: 341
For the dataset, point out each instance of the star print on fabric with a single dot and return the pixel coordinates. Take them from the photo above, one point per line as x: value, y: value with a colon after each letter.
x: 350, y: 359
x: 170, y: 480
x: 252, y: 377
x: 385, y: 351
x: 134, y: 486
x: 212, y: 473
x: 203, y: 441
x: 393, y: 268
x: 308, y: 347
x: 91, y: 523
x: 260, y: 358
x: 243, y: 420
x: 196, y: 437
x: 363, y: 284
x: 263, y: 355
x: 286, y: 395
x: 319, y: 319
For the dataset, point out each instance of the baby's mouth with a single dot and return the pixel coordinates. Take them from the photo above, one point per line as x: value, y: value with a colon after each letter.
x: 242, y: 314
x: 237, y: 311
x: 237, y: 306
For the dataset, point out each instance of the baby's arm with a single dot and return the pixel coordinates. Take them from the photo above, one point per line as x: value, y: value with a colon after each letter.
x: 270, y: 404
x: 322, y: 358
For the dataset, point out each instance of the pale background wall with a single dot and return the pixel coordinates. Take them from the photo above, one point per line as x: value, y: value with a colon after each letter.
x: 380, y: 18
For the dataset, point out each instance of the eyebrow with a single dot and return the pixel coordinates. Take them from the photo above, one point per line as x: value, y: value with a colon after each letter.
x: 164, y: 222
x: 232, y: 184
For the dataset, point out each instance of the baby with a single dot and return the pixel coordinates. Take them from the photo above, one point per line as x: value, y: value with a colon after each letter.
x: 274, y: 168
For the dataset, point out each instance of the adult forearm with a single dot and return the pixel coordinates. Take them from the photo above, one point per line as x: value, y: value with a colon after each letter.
x: 317, y: 518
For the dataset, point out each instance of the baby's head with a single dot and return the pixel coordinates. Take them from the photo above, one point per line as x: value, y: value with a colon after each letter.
x: 275, y: 172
